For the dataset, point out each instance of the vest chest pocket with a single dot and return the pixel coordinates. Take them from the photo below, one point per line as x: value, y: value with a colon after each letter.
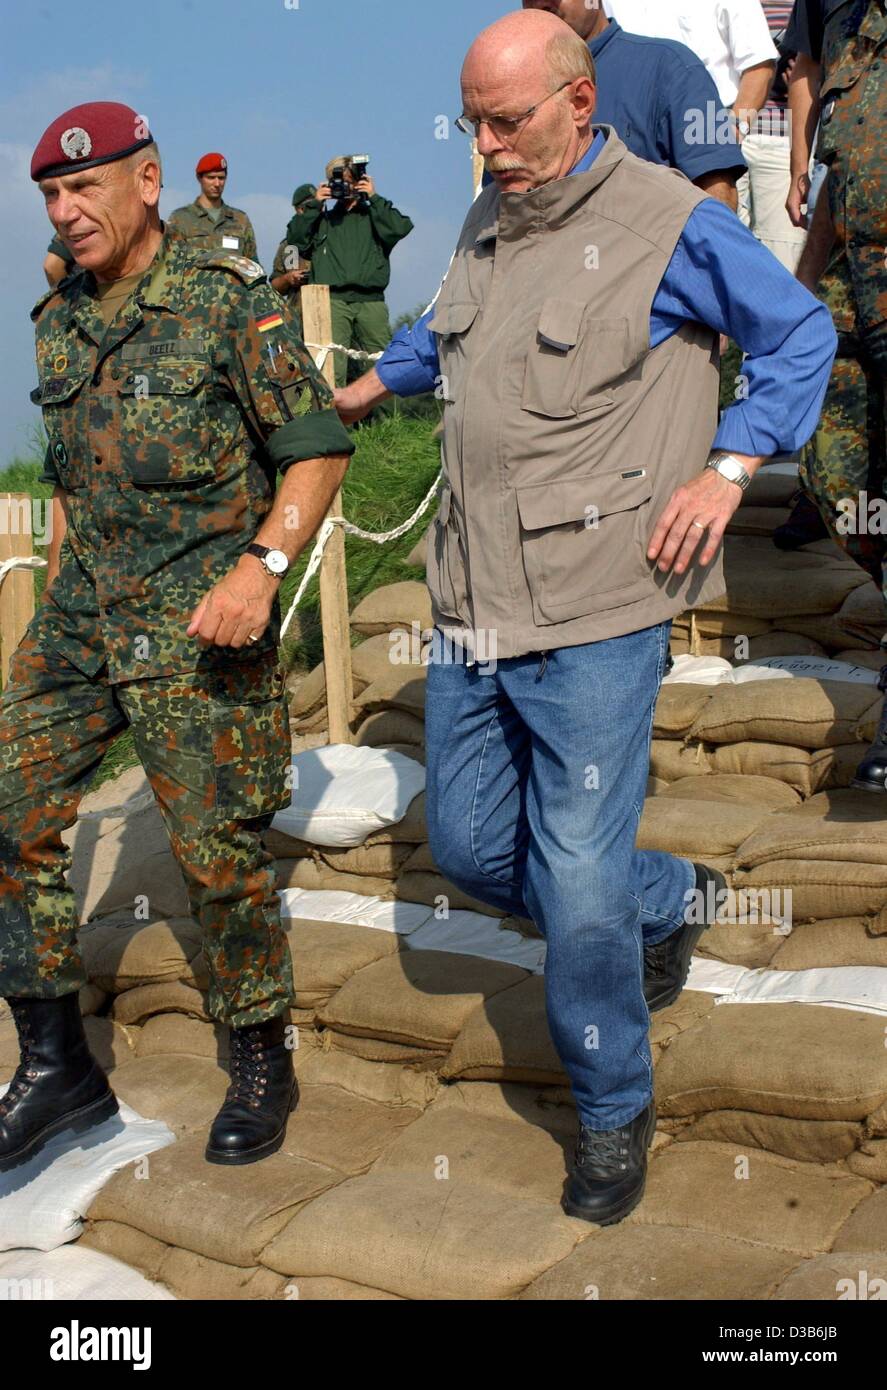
x: 573, y: 361
x: 60, y: 400
x: 164, y: 424
x: 451, y: 324
x: 584, y: 543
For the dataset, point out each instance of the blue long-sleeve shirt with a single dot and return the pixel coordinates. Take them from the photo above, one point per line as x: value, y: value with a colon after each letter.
x: 722, y: 276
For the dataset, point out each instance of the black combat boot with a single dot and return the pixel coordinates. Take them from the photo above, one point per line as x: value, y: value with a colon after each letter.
x: 667, y: 964
x: 58, y: 1084
x: 610, y: 1170
x: 871, y: 775
x: 252, y: 1122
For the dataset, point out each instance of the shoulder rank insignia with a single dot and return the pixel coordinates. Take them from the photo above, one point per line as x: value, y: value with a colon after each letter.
x: 246, y: 270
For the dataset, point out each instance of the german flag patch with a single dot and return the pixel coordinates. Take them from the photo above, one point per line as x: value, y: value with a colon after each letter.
x: 269, y: 321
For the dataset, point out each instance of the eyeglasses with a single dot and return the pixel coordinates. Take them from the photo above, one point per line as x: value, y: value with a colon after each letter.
x: 504, y: 127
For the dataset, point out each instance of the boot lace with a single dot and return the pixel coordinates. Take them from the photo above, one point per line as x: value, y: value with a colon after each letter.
x: 19, y: 1084
x: 603, y: 1146
x: 248, y: 1068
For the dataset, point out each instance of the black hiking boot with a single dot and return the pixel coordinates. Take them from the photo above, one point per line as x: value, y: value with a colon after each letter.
x: 610, y: 1171
x: 667, y: 964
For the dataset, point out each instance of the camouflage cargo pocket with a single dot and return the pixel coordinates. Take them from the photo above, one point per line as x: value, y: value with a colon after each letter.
x: 251, y: 739
x: 164, y: 424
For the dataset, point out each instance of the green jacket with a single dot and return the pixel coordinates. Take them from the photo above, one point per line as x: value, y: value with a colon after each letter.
x: 232, y: 226
x: 167, y: 430
x: 350, y: 251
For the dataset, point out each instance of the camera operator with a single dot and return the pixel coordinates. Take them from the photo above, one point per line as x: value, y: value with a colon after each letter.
x: 348, y: 232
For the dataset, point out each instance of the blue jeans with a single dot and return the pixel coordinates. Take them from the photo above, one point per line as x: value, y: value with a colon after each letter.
x: 536, y: 777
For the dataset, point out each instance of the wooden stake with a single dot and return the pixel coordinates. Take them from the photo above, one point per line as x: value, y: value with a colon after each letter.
x: 17, y: 589
x: 318, y: 328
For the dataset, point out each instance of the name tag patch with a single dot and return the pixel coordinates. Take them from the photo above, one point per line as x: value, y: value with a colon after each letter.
x: 174, y: 347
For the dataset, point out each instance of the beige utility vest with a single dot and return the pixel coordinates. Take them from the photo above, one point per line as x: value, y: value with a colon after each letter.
x: 564, y: 433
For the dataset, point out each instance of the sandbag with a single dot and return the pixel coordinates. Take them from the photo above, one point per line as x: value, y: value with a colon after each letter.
x: 184, y: 1092
x: 343, y: 794
x: 195, y: 1277
x: 378, y: 1050
x: 838, y: 1275
x: 139, y: 1003
x: 692, y: 828
x: 859, y: 837
x: 764, y: 582
x: 393, y: 606
x: 434, y: 889
x: 835, y: 767
x: 507, y: 1039
x: 678, y: 706
x: 386, y: 1082
x: 782, y: 1203
x: 210, y: 1208
x: 752, y: 944
x: 808, y: 1141
x: 182, y: 1033
x: 390, y: 726
x: 759, y: 759
x: 512, y: 1156
x: 797, y: 1060
x: 798, y: 711
x: 820, y: 888
x: 110, y: 1044
x: 326, y: 955
x: 153, y: 880
x: 121, y: 953
x: 315, y: 875
x: 417, y: 997
x: 643, y: 1262
x: 345, y: 1132
x: 765, y: 792
x: 346, y: 1234
x: 672, y: 761
x: 835, y: 942
x: 866, y: 1228
x: 125, y: 1243
x: 863, y: 614
x: 380, y: 861
x: 870, y: 1160
x: 400, y: 688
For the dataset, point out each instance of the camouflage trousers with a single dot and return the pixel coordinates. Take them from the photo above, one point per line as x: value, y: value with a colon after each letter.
x: 215, y: 747
x: 844, y: 465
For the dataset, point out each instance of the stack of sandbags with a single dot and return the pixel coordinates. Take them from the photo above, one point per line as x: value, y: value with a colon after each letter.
x: 801, y: 1080
x: 830, y: 853
x: 781, y: 603
x: 806, y: 732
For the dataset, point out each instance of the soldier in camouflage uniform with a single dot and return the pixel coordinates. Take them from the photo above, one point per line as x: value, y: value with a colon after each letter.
x: 844, y: 464
x: 170, y: 408
x: 209, y: 223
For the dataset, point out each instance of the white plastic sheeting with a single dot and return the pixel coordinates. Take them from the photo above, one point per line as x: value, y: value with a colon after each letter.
x: 43, y: 1201
x: 73, y: 1273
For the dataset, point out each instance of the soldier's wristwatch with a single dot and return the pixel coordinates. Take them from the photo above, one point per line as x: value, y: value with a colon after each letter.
x: 729, y: 468
x: 275, y: 562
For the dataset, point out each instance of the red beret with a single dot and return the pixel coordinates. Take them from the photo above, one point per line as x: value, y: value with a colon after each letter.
x: 97, y: 132
x: 212, y: 164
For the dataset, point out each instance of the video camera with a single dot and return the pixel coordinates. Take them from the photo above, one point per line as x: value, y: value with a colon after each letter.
x: 358, y: 164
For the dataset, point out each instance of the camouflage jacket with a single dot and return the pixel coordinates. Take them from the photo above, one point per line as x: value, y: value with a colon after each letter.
x: 232, y: 232
x: 851, y: 143
x: 167, y: 430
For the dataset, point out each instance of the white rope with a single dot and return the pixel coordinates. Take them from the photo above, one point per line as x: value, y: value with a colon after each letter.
x: 21, y: 562
x: 377, y: 537
x: 355, y: 353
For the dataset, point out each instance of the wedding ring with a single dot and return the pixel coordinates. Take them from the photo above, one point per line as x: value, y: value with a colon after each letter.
x: 699, y: 524
x: 252, y: 637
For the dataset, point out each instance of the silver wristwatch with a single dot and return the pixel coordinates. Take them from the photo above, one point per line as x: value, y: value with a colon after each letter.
x: 275, y: 562
x: 729, y: 468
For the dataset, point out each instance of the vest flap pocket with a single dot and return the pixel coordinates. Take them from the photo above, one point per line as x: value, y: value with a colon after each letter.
x: 583, y: 499
x: 560, y: 322
x: 454, y: 318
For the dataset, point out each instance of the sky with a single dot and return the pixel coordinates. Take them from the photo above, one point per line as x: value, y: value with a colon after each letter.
x: 278, y: 86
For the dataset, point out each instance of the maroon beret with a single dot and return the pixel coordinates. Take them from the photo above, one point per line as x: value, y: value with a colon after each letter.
x: 97, y: 132
x: 212, y: 164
